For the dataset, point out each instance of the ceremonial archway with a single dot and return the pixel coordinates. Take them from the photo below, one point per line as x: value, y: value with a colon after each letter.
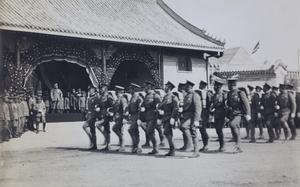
x: 139, y: 62
x: 49, y: 52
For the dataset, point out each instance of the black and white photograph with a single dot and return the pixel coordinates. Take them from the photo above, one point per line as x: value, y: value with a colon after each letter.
x: 146, y: 93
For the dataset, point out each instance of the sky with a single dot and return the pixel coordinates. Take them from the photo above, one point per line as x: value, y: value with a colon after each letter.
x: 275, y: 24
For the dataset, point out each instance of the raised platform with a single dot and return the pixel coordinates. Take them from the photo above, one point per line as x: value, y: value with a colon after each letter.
x: 64, y: 117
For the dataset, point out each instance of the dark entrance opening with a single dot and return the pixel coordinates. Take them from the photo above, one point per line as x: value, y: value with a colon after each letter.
x: 130, y: 71
x: 67, y: 75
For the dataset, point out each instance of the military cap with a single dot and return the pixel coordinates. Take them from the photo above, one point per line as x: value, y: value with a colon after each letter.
x: 266, y: 85
x: 103, y: 84
x: 55, y: 84
x: 258, y: 87
x: 135, y: 85
x: 149, y: 83
x: 274, y: 88
x: 170, y: 84
x: 117, y: 87
x: 250, y: 87
x: 290, y: 87
x: 39, y: 92
x: 232, y: 79
x: 189, y: 83
x: 203, y: 83
x: 283, y: 86
x: 90, y: 87
x: 219, y: 81
x: 181, y: 84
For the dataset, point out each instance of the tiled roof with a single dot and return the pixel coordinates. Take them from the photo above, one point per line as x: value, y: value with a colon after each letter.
x: 147, y: 22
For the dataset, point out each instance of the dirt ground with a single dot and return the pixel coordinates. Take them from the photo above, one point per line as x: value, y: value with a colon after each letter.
x: 60, y: 157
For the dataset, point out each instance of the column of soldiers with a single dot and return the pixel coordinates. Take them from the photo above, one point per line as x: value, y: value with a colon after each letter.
x: 235, y: 107
x: 20, y: 112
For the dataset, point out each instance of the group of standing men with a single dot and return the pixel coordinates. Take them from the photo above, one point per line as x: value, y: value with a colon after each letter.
x: 153, y: 112
x: 20, y: 112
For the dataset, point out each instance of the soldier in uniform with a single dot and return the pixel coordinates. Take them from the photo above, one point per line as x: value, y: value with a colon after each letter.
x: 133, y: 108
x: 277, y: 126
x: 74, y: 101
x: 191, y: 117
x: 181, y: 89
x: 218, y: 108
x: 14, y: 116
x: 120, y: 109
x: 259, y: 121
x: 39, y: 110
x: 106, y: 101
x: 205, y: 97
x: 291, y: 120
x: 285, y: 103
x: 25, y: 111
x: 148, y: 107
x: 4, y: 117
x: 268, y: 109
x: 254, y: 106
x: 297, y: 117
x: 93, y: 107
x: 237, y: 106
x: 56, y: 97
x: 31, y: 102
x: 169, y: 106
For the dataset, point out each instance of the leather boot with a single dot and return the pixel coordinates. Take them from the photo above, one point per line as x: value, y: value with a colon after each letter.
x: 195, y: 153
x: 188, y: 140
x: 44, y: 127
x: 172, y: 148
x: 94, y: 142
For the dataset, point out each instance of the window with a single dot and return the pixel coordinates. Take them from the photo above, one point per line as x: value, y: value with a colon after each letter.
x: 184, y: 64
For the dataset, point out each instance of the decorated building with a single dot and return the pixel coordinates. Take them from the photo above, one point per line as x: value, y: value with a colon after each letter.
x: 81, y: 42
x: 237, y: 62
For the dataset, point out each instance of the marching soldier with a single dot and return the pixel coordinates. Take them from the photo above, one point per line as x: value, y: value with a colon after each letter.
x: 4, y: 117
x: 277, y: 126
x: 297, y: 118
x: 268, y: 109
x: 148, y: 107
x: 181, y: 89
x: 259, y: 121
x: 169, y: 106
x: 191, y: 117
x: 205, y: 97
x: 254, y: 106
x: 237, y: 106
x: 133, y: 108
x: 120, y: 112
x: 218, y: 108
x: 93, y: 107
x: 291, y: 120
x: 285, y: 103
x: 106, y: 102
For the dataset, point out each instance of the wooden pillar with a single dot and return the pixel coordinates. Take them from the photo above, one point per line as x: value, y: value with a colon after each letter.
x: 103, y: 59
x: 160, y: 67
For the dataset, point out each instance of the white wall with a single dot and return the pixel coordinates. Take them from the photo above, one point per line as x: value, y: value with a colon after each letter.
x: 172, y: 74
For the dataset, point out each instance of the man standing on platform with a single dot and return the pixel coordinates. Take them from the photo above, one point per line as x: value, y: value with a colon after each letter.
x: 237, y: 106
x: 106, y: 101
x: 268, y: 109
x: 93, y: 107
x: 149, y: 109
x: 120, y: 112
x: 169, y: 106
x: 56, y: 97
x: 134, y: 107
x: 191, y: 117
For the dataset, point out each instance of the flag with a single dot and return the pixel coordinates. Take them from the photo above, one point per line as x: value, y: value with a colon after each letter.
x: 255, y: 48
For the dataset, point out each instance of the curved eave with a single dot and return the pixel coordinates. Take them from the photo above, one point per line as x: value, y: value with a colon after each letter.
x: 94, y: 36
